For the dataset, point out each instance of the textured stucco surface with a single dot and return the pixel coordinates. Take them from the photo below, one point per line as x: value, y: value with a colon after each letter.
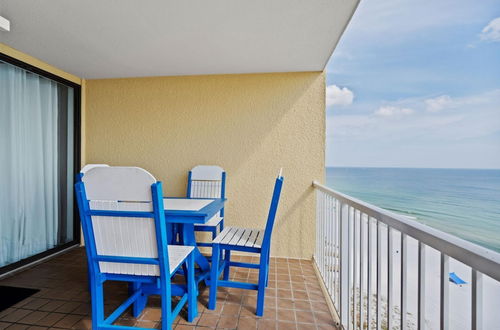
x: 251, y: 125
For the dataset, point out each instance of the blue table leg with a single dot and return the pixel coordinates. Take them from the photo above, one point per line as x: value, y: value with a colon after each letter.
x: 189, y: 238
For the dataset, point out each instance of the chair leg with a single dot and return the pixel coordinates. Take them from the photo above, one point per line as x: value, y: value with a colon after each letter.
x: 261, y: 291
x: 185, y: 271
x: 97, y: 298
x: 191, y: 289
x: 166, y: 305
x: 227, y: 260
x: 267, y: 273
x: 141, y: 302
x: 214, y: 274
x: 89, y: 284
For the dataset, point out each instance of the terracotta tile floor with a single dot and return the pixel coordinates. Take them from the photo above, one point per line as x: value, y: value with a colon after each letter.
x: 294, y: 299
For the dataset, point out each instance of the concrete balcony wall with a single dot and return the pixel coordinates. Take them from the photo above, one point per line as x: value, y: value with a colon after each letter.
x: 251, y: 125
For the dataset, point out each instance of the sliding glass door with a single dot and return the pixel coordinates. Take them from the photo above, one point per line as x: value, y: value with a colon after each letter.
x: 37, y: 165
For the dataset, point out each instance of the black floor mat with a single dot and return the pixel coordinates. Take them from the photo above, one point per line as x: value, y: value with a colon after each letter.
x: 10, y: 295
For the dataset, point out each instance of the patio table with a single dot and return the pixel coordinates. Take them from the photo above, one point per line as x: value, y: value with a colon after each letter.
x: 190, y: 211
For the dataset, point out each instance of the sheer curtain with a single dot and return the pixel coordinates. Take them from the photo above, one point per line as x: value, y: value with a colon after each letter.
x: 29, y: 164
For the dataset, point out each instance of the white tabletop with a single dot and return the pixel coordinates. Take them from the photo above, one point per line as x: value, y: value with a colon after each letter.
x: 185, y: 204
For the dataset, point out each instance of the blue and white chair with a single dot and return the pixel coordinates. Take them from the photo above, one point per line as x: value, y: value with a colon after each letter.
x: 245, y: 240
x: 123, y: 221
x: 208, y: 181
x: 78, y: 178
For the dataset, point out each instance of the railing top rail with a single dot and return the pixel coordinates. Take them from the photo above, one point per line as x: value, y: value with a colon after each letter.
x: 479, y: 258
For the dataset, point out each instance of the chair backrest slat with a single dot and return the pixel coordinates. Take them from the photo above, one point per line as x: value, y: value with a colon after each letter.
x: 118, y: 183
x: 206, y: 189
x: 125, y: 236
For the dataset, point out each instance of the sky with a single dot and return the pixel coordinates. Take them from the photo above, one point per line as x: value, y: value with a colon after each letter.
x: 416, y: 84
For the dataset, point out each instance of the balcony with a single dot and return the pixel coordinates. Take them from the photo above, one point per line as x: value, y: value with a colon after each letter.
x: 179, y: 88
x: 384, y: 271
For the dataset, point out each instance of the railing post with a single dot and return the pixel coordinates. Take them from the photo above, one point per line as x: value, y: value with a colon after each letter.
x: 477, y: 300
x: 344, y: 265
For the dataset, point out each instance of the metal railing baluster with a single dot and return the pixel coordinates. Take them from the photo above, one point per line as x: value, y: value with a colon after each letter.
x: 421, y: 286
x: 355, y: 268
x: 390, y: 286
x: 379, y: 276
x: 444, y: 292
x: 344, y: 265
x: 368, y: 270
x: 361, y: 270
x: 477, y: 300
x: 404, y: 280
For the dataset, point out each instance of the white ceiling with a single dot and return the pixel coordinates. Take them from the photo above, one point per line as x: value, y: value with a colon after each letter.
x: 134, y: 38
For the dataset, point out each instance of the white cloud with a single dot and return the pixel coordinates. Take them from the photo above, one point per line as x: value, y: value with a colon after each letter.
x: 491, y: 32
x: 391, y: 111
x: 438, y: 103
x: 474, y: 118
x: 338, y: 96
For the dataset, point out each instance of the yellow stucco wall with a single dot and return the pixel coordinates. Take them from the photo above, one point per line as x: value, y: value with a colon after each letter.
x: 251, y: 125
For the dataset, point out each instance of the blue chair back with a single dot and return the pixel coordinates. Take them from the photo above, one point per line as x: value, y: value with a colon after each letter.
x: 266, y: 242
x: 207, y: 181
x: 123, y: 221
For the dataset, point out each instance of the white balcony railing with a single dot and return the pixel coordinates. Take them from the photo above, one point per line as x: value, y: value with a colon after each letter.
x: 385, y: 271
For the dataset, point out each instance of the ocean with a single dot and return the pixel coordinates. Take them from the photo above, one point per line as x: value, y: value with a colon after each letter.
x: 462, y: 202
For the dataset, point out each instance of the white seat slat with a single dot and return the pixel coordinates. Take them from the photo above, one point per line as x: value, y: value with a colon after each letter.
x: 260, y: 238
x: 240, y: 237
x: 227, y: 238
x: 252, y: 238
x: 243, y: 240
x: 176, y: 255
x: 237, y: 236
x: 223, y: 234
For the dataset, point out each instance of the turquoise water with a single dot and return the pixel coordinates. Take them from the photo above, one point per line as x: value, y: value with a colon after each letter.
x: 462, y: 202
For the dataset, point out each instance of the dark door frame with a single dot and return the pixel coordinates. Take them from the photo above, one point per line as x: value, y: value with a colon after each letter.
x: 77, y: 158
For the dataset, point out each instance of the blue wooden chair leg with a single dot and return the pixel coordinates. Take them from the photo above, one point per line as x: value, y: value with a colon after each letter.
x: 261, y: 291
x: 166, y: 305
x: 226, y: 266
x: 89, y: 285
x: 97, y: 298
x: 192, y: 289
x: 185, y: 272
x: 267, y: 273
x: 141, y: 302
x: 214, y: 274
